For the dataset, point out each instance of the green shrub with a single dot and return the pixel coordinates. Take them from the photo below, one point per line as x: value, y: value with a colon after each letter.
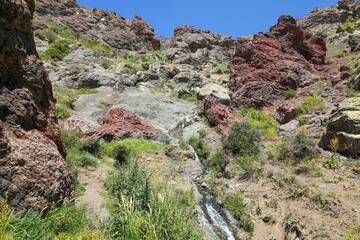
x: 339, y: 29
x: 91, y: 146
x: 102, y: 104
x: 243, y: 140
x: 248, y: 167
x: 280, y: 151
x: 57, y: 50
x: 183, y: 145
x: 338, y: 86
x: 106, y: 63
x: 62, y: 112
x: 303, y: 148
x: 67, y: 222
x: 310, y: 104
x: 158, y: 55
x: 340, y: 54
x: 98, y: 46
x: 121, y: 154
x: 62, y: 31
x: 40, y: 35
x: 51, y: 37
x: 353, y: 93
x: 169, y: 85
x: 303, y: 120
x: 315, y: 78
x: 86, y: 91
x: 236, y: 207
x: 290, y: 94
x: 200, y: 146
x: 142, y: 211
x: 219, y: 160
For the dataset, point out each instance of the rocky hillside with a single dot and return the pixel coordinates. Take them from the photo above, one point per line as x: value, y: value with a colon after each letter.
x: 34, y: 173
x: 117, y: 31
x: 254, y: 138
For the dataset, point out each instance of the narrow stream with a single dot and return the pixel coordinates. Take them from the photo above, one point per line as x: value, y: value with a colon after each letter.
x: 207, y: 204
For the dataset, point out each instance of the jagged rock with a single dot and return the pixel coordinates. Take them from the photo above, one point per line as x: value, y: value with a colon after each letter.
x: 119, y: 124
x: 265, y: 66
x: 354, y: 81
x: 87, y: 23
x: 189, y: 79
x: 216, y: 90
x: 84, y: 74
x: 193, y: 46
x: 285, y: 112
x: 84, y: 125
x: 33, y: 169
x: 344, y: 124
x: 217, y: 113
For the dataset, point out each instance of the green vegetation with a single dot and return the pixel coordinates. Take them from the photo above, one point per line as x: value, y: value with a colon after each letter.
x: 98, y: 46
x: 5, y: 215
x: 131, y: 59
x: 353, y: 93
x: 85, y: 91
x: 106, y: 63
x: 310, y: 105
x: 236, y: 207
x: 103, y: 104
x: 67, y: 222
x: 190, y: 97
x: 338, y: 86
x: 169, y: 85
x: 264, y: 122
x: 340, y: 54
x: 200, y: 146
x: 158, y: 54
x: 290, y: 94
x: 40, y: 35
x: 57, y: 50
x: 280, y: 151
x: 243, y: 140
x: 219, y: 160
x: 221, y: 70
x: 303, y: 148
x: 141, y: 210
x: 331, y: 162
x: 62, y: 31
x: 315, y: 78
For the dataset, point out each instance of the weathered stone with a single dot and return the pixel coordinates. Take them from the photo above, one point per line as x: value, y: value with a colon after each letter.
x: 344, y: 124
x: 119, y: 124
x: 265, y: 66
x: 33, y: 169
x: 216, y: 90
x: 217, y: 113
x: 86, y: 23
x: 82, y: 124
x: 285, y: 112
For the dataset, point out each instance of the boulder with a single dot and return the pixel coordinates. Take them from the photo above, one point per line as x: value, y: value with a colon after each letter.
x: 33, y: 169
x: 82, y: 124
x: 354, y: 80
x: 120, y: 124
x: 267, y: 65
x: 216, y: 90
x: 344, y: 124
x: 285, y: 112
x: 217, y: 113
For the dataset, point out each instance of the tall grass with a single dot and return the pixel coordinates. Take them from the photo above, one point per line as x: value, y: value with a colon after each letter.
x: 145, y: 211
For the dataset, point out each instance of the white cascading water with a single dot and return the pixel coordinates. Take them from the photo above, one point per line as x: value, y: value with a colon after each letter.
x: 216, y: 218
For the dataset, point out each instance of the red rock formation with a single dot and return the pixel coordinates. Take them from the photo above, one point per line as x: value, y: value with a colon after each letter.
x: 32, y: 166
x: 265, y: 66
x: 120, y: 123
x: 217, y: 113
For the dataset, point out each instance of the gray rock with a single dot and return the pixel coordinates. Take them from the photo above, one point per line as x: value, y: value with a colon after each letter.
x: 267, y: 217
x: 247, y: 202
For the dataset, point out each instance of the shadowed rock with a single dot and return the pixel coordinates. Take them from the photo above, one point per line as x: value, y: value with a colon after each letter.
x: 33, y: 169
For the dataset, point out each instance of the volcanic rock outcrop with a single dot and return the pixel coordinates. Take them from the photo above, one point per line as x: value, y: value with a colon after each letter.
x: 193, y: 46
x: 267, y: 65
x: 217, y: 113
x: 33, y: 169
x: 117, y: 31
x: 344, y: 124
x: 120, y: 124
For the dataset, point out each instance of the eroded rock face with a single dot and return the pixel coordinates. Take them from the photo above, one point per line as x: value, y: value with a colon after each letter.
x: 32, y: 166
x: 344, y: 124
x: 193, y: 46
x: 82, y: 124
x: 265, y: 66
x: 119, y: 124
x: 217, y: 113
x: 118, y: 31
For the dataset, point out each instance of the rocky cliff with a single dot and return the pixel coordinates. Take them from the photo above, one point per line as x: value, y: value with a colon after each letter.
x: 91, y: 23
x: 33, y: 169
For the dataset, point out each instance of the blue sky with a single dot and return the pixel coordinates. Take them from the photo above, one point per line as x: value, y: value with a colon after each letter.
x: 227, y: 17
